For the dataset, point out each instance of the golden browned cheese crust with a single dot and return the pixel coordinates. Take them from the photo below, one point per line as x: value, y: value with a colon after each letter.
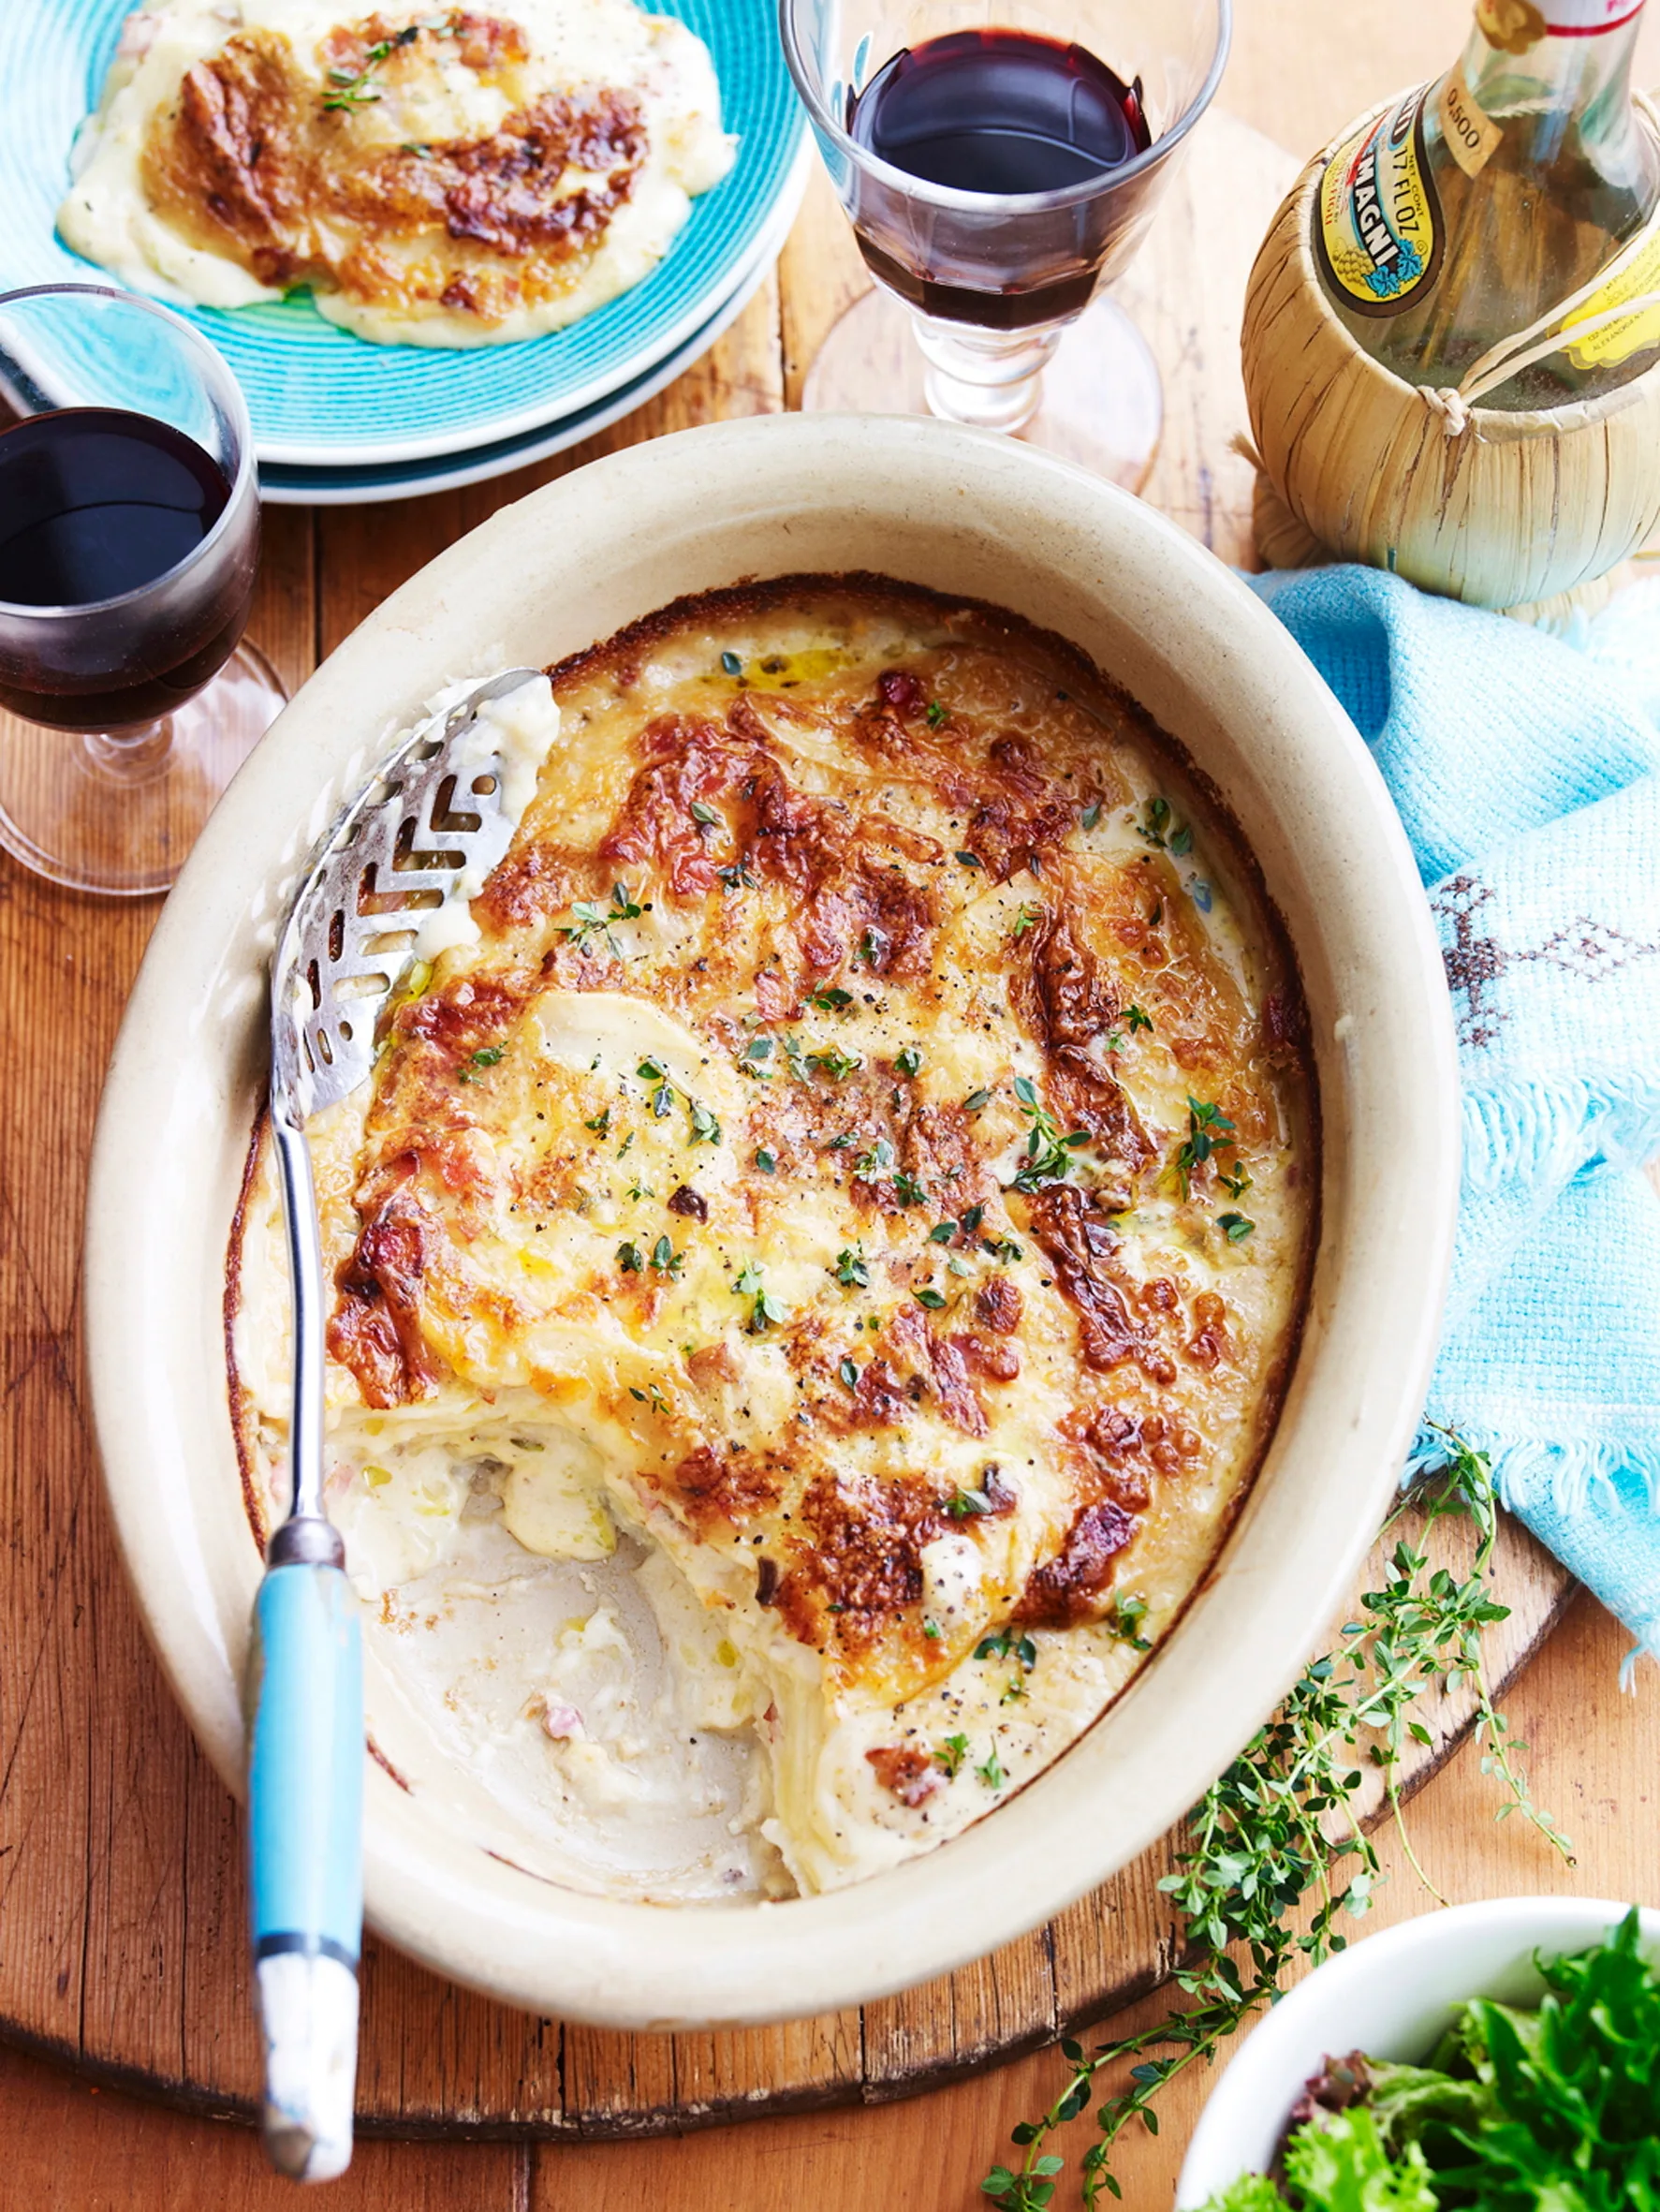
x: 877, y: 1110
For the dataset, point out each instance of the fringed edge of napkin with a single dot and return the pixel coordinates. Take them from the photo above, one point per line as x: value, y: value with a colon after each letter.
x: 1562, y: 1480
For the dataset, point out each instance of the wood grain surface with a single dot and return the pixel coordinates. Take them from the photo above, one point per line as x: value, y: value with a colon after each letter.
x: 120, y: 1913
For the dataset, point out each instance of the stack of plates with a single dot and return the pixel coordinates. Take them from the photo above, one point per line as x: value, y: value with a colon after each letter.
x: 337, y: 419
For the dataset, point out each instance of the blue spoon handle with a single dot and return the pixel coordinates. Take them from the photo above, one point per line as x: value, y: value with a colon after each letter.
x: 305, y: 1809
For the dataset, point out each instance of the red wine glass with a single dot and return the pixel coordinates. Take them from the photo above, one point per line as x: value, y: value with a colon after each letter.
x: 1000, y: 161
x: 130, y: 536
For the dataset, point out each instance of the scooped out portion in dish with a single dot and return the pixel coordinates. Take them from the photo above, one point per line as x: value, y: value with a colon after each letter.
x: 817, y: 1265
x: 439, y: 176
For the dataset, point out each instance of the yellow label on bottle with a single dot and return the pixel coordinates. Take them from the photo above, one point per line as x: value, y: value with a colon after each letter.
x: 1380, y: 231
x: 1472, y: 135
x: 1631, y: 333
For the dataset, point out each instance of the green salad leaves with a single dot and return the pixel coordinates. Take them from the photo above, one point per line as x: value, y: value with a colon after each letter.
x: 1555, y: 2109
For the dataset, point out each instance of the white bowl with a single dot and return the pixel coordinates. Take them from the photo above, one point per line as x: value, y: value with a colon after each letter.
x: 572, y: 562
x: 1392, y: 1996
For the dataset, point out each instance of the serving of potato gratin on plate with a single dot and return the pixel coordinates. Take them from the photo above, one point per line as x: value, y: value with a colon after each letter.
x: 438, y: 176
x: 817, y: 1265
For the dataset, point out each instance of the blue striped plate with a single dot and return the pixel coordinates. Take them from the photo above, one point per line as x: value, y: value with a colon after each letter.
x: 320, y: 397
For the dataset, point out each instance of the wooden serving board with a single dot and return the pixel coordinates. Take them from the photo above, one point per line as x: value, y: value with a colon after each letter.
x: 122, y: 1912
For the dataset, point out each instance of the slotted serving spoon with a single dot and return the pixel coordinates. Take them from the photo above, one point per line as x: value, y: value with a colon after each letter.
x: 422, y: 835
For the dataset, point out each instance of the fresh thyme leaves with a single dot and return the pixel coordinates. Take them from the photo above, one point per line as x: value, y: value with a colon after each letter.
x: 977, y: 1101
x: 951, y: 1754
x: 968, y: 1505
x: 929, y: 1297
x: 1182, y: 840
x: 1049, y: 1154
x: 1236, y: 1180
x: 942, y: 1232
x: 601, y: 1124
x: 1025, y: 920
x: 990, y: 1770
x: 355, y: 88
x: 877, y: 1161
x: 705, y: 817
x: 706, y: 1130
x: 1234, y: 1227
x: 1208, y: 1130
x: 852, y: 1269
x: 1136, y: 1018
x: 766, y: 1161
x: 753, y: 1059
x: 830, y: 1002
x: 628, y: 1259
x: 489, y: 1056
x: 664, y: 1259
x: 1155, y: 819
x: 1091, y: 814
x: 836, y: 1063
x: 936, y: 713
x: 731, y: 665
x: 1007, y: 1644
x: 908, y: 1190
x: 652, y: 1396
x: 909, y: 1061
x: 867, y: 949
x: 587, y: 917
x: 970, y: 859
x: 766, y: 1308
x: 1283, y: 1820
x: 1126, y: 1619
x: 737, y: 878
x: 849, y: 1375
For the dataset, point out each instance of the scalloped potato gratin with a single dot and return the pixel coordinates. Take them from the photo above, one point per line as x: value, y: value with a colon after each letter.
x: 816, y: 1268
x: 437, y: 175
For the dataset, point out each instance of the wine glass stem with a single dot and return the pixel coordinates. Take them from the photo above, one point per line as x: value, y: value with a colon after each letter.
x: 987, y: 379
x: 129, y: 756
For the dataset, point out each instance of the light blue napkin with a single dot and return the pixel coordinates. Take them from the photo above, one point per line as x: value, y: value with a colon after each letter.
x: 1526, y: 771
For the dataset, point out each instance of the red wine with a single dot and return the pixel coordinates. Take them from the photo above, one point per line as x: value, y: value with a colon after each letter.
x: 1004, y: 112
x: 96, y: 503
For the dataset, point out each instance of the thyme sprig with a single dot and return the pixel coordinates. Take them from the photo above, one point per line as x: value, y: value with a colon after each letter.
x: 1282, y: 1821
x: 356, y: 88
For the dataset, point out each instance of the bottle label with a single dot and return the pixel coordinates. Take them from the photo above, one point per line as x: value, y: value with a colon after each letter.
x: 1632, y: 333
x: 1472, y: 137
x: 1380, y: 231
x: 1516, y: 25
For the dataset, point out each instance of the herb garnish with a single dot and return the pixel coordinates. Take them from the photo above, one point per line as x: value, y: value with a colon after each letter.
x: 766, y: 1308
x: 1025, y: 921
x: 929, y: 1297
x: 977, y: 1101
x: 852, y: 1269
x: 1208, y: 1130
x: 990, y: 1770
x: 731, y: 665
x: 831, y: 1001
x: 1126, y: 1619
x: 766, y: 1161
x: 1091, y: 814
x: 1005, y: 1644
x: 1261, y: 1834
x: 354, y: 88
x: 1049, y: 1154
x: 849, y: 1375
x: 628, y: 1259
x: 705, y: 1128
x: 952, y: 1756
x: 909, y: 1061
x: 588, y: 916
x: 1234, y: 1227
x: 936, y: 713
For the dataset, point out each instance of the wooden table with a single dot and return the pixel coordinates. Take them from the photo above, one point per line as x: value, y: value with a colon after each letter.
x: 1302, y: 67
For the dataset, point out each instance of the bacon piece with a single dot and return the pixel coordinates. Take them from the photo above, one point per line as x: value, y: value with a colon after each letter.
x: 1023, y: 817
x: 999, y: 1305
x: 1082, y: 1245
x: 1066, y: 1589
x: 899, y: 689
x: 944, y: 1362
x: 375, y: 1327
x: 995, y: 1362
x: 1071, y: 1004
x: 232, y: 153
x: 712, y: 1365
x: 684, y: 762
x: 910, y: 1774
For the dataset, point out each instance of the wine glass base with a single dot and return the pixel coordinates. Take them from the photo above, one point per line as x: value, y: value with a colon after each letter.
x: 1103, y: 398
x: 117, y: 814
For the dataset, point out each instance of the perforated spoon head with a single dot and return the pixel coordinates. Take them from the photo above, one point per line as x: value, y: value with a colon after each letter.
x: 425, y: 831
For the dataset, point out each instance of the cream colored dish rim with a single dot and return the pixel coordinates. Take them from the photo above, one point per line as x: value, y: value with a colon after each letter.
x: 963, y: 512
